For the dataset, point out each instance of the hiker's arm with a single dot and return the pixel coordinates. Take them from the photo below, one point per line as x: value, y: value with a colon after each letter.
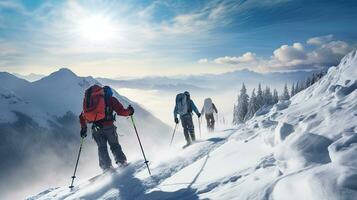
x: 194, y: 108
x: 203, y: 110
x: 214, y: 108
x: 119, y: 108
x: 175, y: 112
x: 82, y: 121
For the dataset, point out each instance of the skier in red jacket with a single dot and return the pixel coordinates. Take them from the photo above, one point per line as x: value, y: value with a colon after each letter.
x: 104, y: 131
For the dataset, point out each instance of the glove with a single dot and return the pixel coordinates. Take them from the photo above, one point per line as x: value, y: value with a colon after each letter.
x: 131, y: 110
x: 199, y: 115
x: 176, y: 120
x: 84, y: 132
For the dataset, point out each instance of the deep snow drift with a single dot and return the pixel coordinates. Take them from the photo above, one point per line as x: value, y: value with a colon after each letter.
x: 305, y: 148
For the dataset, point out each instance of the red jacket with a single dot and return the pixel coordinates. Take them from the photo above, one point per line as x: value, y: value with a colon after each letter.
x: 116, y: 106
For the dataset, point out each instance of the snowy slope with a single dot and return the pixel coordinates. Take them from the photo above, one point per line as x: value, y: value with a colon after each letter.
x: 44, y: 115
x: 300, y: 149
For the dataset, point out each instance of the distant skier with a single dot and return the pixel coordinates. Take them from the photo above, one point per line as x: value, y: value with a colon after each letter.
x: 98, y: 108
x: 184, y: 107
x: 208, y: 109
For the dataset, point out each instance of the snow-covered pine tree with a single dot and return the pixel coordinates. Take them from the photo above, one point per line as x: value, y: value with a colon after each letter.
x: 307, y: 82
x: 275, y: 96
x: 235, y: 116
x: 297, y: 88
x: 252, y: 106
x: 260, y: 98
x: 285, y: 95
x: 292, y: 91
x: 314, y: 78
x: 302, y: 86
x: 268, y: 97
x: 242, y: 106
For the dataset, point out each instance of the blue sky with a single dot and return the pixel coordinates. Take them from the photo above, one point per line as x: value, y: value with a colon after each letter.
x: 140, y: 37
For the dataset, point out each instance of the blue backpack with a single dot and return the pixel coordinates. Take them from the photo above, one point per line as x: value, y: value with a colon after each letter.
x: 181, y: 104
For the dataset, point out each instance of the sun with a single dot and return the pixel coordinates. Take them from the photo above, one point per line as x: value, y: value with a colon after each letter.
x: 97, y: 28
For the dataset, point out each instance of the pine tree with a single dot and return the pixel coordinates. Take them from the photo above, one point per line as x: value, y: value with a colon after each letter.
x: 297, y: 88
x: 292, y: 90
x: 252, y: 106
x: 307, y: 83
x: 314, y: 78
x: 235, y: 116
x: 260, y: 99
x: 285, y: 95
x: 268, y: 97
x: 242, y: 106
x: 301, y: 87
x: 275, y: 96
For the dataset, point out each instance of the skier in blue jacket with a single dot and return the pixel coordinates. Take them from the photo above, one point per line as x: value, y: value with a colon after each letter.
x: 184, y: 108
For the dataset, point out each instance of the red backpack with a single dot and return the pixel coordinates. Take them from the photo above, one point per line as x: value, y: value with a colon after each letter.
x: 94, y: 104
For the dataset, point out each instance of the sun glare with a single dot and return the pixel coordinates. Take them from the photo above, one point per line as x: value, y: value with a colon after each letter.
x: 97, y: 29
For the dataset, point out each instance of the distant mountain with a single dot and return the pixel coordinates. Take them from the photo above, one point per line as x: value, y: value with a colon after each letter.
x: 207, y: 82
x: 39, y: 128
x: 30, y: 77
x: 11, y: 82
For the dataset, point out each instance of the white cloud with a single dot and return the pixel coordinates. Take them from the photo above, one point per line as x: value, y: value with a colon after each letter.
x: 330, y: 53
x: 211, y: 16
x: 245, y: 58
x: 295, y: 57
x: 288, y: 53
x: 320, y: 40
x: 203, y: 60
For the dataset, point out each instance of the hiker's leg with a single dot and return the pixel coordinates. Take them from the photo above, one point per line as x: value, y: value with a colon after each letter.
x: 185, y: 129
x: 207, y: 120
x: 104, y: 159
x: 115, y: 147
x: 211, y: 119
x: 191, y: 127
x: 213, y: 122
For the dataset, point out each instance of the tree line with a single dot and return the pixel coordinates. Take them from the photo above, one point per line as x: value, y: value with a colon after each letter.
x: 246, y: 106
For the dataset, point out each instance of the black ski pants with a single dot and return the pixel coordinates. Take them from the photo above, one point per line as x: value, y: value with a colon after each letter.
x: 105, y: 135
x: 188, y: 128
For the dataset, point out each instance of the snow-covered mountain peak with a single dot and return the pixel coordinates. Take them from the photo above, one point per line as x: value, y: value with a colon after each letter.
x: 63, y: 75
x: 10, y: 81
x: 64, y: 72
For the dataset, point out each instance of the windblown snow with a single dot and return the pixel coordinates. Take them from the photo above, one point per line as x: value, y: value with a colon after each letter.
x: 304, y: 148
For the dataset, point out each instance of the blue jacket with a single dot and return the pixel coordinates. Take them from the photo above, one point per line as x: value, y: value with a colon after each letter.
x: 191, y: 107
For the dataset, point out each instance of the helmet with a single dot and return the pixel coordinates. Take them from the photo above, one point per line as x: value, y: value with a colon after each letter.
x: 108, y: 91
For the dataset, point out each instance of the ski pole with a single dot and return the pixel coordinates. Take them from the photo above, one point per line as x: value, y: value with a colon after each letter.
x: 173, y: 134
x: 199, y: 126
x: 75, y: 168
x: 141, y: 146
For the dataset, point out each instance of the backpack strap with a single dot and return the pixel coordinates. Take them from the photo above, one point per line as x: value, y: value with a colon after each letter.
x: 189, y: 105
x: 108, y: 111
x: 88, y: 95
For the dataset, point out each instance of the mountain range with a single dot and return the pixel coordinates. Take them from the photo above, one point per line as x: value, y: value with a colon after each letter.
x: 210, y: 82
